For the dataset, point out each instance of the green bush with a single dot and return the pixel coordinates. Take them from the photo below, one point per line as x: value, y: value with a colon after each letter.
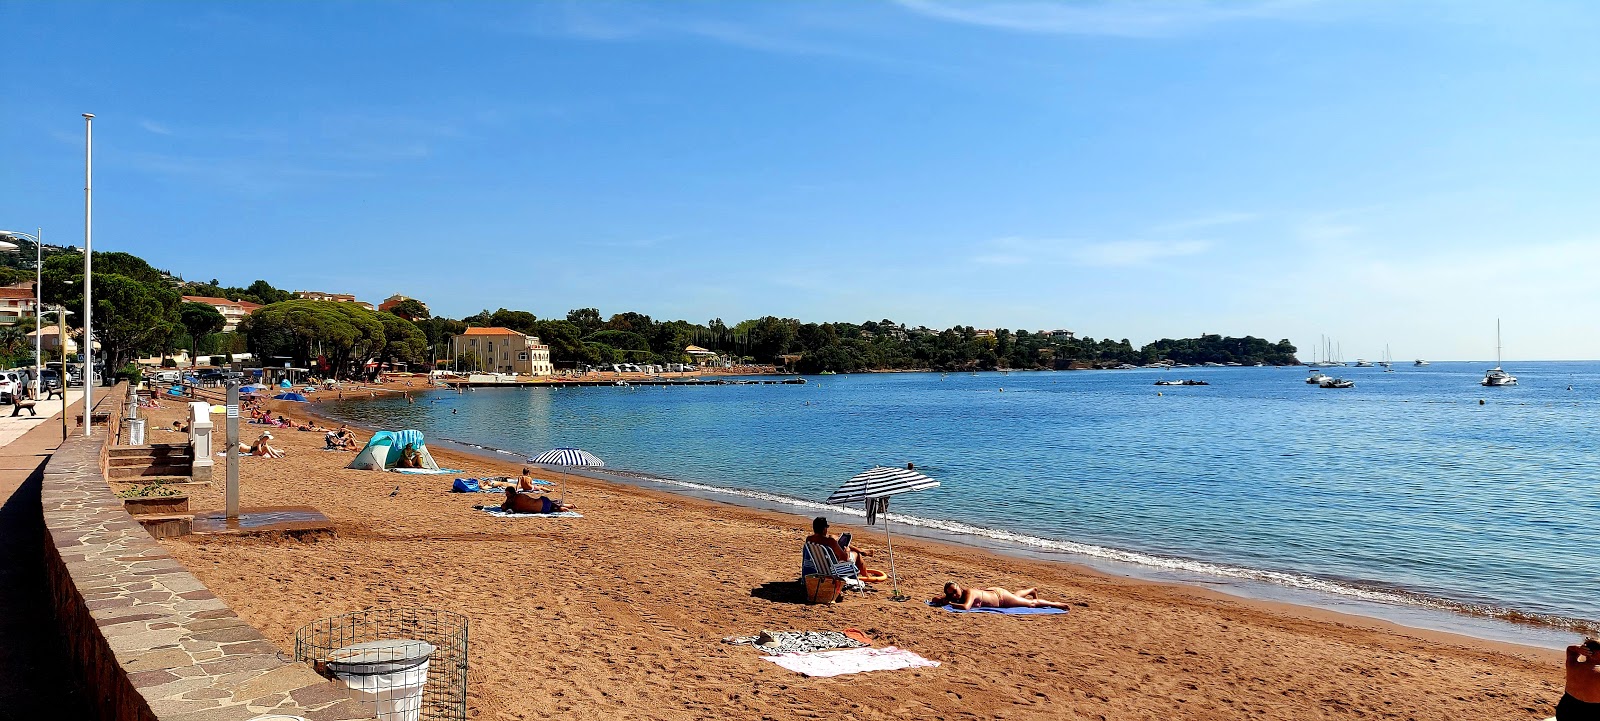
x: 130, y: 373
x: 218, y: 361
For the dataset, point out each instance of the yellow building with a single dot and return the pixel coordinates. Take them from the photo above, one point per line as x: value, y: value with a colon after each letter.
x: 501, y: 350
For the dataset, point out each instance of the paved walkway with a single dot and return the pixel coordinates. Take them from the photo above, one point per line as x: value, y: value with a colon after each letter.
x: 37, y: 680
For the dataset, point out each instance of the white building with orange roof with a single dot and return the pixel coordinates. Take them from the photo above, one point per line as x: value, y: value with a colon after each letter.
x: 16, y: 303
x: 232, y: 311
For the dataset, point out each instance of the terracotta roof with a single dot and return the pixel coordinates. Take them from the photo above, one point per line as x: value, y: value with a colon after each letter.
x: 248, y: 306
x: 17, y: 293
x: 209, y: 300
x: 489, y: 331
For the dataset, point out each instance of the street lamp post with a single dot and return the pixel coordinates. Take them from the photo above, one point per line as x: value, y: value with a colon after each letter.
x: 38, y: 301
x: 88, y: 285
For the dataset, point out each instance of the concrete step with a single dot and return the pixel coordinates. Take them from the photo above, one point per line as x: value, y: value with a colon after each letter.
x: 167, y: 526
x: 164, y: 469
x: 130, y: 461
x: 155, y: 450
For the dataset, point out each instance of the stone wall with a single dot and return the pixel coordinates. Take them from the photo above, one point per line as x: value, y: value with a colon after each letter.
x: 152, y: 642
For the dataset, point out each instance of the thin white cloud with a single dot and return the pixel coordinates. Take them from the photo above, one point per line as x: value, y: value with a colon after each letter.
x: 1137, y: 252
x: 1120, y: 18
x: 1015, y: 251
x: 1206, y: 221
x: 155, y: 127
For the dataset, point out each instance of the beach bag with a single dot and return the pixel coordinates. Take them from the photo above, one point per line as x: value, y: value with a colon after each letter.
x: 823, y: 589
x: 464, y: 485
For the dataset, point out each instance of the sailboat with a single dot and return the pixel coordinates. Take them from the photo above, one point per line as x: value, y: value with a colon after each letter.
x: 1388, y: 360
x: 1497, y: 376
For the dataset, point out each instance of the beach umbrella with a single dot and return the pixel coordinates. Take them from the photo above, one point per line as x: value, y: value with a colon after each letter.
x: 873, y: 488
x: 567, y: 457
x: 290, y: 397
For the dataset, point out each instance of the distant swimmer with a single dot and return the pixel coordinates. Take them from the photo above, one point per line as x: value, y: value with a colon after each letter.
x: 455, y: 411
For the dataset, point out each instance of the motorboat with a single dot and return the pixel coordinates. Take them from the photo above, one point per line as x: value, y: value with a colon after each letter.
x: 1317, y: 377
x: 1497, y: 376
x: 1176, y: 382
x: 1419, y: 363
x: 1362, y: 363
x: 1337, y: 383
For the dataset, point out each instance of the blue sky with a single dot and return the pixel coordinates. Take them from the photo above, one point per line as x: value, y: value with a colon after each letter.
x: 1399, y: 172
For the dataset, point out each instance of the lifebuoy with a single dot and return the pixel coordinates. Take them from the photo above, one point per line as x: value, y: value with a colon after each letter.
x: 873, y: 575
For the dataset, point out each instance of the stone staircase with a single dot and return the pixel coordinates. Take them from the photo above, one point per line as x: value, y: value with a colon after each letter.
x: 171, y: 461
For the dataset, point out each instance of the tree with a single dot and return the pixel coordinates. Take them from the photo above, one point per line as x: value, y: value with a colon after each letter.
x: 200, y: 320
x: 266, y: 294
x: 403, y: 341
x: 298, y: 329
x: 587, y: 319
x: 410, y: 309
x: 135, y: 307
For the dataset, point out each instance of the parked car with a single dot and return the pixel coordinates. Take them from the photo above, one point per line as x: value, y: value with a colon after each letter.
x: 8, y: 386
x: 166, y: 376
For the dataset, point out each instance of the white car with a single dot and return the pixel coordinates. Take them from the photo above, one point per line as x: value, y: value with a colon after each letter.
x: 8, y: 386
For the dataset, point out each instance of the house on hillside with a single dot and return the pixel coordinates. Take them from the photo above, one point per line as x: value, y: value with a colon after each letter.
x: 392, y: 301
x: 333, y: 297
x: 501, y: 350
x: 16, y: 303
x: 232, y: 311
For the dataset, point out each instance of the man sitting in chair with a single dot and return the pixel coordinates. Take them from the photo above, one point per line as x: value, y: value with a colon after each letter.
x: 841, y: 551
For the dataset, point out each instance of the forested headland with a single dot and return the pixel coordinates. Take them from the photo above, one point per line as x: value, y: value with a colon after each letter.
x: 139, y: 312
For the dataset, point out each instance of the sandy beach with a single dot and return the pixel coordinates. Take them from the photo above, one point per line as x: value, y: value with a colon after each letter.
x: 620, y: 614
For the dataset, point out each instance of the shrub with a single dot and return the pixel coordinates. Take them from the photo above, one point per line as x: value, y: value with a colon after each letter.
x: 169, y: 363
x: 130, y: 373
x: 218, y: 361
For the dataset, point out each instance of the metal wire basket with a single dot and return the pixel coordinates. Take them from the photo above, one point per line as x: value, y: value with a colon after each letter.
x: 409, y: 663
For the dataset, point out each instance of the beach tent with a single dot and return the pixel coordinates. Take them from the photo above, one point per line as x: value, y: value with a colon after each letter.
x: 285, y: 383
x: 382, y: 451
x: 873, y: 488
x: 290, y: 397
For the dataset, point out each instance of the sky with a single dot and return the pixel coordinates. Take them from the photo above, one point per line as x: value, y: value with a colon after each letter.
x: 1378, y: 172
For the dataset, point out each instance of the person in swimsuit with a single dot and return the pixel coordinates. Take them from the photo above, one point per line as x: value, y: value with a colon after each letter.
x: 991, y: 597
x: 842, y: 552
x: 518, y: 502
x: 1581, y: 702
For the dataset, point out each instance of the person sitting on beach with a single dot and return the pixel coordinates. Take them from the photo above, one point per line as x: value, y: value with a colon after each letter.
x: 1581, y: 702
x: 180, y: 427
x: 991, y: 597
x: 409, y: 457
x: 518, y: 502
x: 263, y: 449
x: 819, y: 528
x: 525, y: 481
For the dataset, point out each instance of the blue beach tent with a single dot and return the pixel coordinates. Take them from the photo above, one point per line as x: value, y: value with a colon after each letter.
x: 382, y: 451
x: 296, y: 397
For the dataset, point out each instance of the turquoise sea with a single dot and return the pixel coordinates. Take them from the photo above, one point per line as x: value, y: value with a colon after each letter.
x: 1403, y: 492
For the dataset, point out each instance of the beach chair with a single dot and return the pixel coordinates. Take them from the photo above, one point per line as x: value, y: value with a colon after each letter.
x: 826, y: 575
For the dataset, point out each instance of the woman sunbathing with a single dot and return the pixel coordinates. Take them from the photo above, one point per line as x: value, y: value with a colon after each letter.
x: 517, y: 502
x: 991, y: 597
x: 263, y: 449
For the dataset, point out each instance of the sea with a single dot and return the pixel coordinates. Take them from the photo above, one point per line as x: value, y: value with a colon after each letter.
x: 1417, y: 496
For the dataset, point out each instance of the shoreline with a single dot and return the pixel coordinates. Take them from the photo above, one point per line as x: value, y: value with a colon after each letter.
x: 1394, y: 607
x: 621, y: 612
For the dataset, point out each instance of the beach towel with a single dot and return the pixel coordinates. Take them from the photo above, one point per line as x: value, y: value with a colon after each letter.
x: 797, y: 641
x: 426, y: 471
x: 496, y: 512
x: 465, y: 485
x: 851, y: 660
x: 1019, y: 611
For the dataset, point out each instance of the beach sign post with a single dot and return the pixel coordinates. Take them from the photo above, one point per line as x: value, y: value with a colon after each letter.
x: 232, y: 489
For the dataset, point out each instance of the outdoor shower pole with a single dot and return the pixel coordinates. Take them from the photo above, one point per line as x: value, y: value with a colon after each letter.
x: 61, y: 345
x: 232, y: 488
x: 88, y: 284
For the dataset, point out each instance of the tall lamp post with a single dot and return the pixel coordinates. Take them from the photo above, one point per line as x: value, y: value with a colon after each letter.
x: 38, y: 300
x: 88, y: 253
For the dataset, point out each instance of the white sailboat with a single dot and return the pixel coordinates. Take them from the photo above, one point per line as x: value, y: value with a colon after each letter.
x: 1388, y: 360
x: 1497, y: 376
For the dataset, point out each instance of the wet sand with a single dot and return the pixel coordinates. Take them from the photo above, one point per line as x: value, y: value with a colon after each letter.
x: 620, y: 614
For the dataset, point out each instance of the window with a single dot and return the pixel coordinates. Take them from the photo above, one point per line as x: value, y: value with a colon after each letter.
x: 522, y: 356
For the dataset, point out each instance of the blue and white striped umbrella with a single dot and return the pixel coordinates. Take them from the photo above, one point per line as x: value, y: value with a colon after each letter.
x: 874, y: 487
x: 881, y: 482
x: 568, y: 457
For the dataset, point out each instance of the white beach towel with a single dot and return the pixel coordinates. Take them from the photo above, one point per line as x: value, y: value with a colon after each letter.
x: 496, y: 512
x: 850, y: 660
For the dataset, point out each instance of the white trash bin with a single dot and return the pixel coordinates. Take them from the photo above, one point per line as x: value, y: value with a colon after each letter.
x: 136, y: 432
x: 390, y: 674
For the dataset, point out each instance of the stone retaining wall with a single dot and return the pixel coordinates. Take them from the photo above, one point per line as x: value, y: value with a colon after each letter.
x: 152, y: 642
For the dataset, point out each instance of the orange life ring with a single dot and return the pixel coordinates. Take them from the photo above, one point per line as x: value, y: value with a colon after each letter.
x: 873, y: 575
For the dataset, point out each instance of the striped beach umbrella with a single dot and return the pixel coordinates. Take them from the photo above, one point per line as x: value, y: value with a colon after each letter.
x: 873, y: 488
x: 567, y: 457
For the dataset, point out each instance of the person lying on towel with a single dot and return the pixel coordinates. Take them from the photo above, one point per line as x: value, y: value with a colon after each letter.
x: 518, y: 502
x: 991, y: 597
x: 841, y: 551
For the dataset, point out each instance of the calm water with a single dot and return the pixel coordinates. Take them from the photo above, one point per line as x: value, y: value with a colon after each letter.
x: 1401, y: 490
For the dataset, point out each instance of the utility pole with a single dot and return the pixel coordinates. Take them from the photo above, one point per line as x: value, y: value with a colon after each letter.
x: 88, y: 280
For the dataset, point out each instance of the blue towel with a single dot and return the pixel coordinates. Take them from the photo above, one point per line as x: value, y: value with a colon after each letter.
x: 464, y: 485
x: 1019, y: 611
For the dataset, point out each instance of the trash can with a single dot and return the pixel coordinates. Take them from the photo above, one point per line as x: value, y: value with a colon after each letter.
x: 136, y: 432
x: 390, y: 674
